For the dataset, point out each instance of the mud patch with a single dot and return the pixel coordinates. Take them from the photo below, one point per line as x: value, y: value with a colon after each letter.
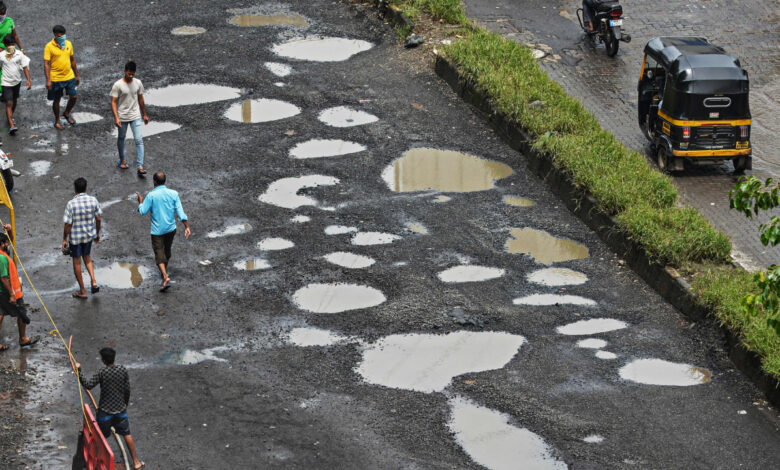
x: 236, y: 229
x: 344, y: 116
x: 488, y: 438
x: 268, y: 20
x: 468, y: 273
x: 660, y: 372
x: 591, y: 327
x: 320, y: 148
x: 373, y: 238
x: 284, y: 192
x: 424, y: 169
x: 278, y: 69
x: 186, y: 94
x: 253, y: 264
x: 261, y: 110
x: 188, y: 31
x: 553, y: 299
x: 306, y: 337
x: 321, y: 49
x: 349, y: 260
x: 554, y: 277
x: 119, y: 275
x: 544, y: 247
x: 336, y: 298
x: 518, y: 201
x: 274, y: 244
x: 428, y: 363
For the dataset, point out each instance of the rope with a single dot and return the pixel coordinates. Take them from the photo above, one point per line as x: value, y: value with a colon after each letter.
x: 56, y: 331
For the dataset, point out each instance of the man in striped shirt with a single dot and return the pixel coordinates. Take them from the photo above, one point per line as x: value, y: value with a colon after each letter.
x: 82, y: 225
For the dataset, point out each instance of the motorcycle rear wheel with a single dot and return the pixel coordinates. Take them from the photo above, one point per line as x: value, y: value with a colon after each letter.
x: 612, y: 43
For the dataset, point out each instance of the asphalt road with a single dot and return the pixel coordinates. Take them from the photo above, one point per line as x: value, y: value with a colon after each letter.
x: 219, y: 371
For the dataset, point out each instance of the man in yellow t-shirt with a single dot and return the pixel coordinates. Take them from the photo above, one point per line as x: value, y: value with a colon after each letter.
x: 62, y: 75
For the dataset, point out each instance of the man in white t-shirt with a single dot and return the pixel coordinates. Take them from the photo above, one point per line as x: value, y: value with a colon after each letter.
x: 127, y: 103
x: 13, y: 62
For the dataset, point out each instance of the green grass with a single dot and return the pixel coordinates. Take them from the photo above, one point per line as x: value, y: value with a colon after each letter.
x: 643, y: 200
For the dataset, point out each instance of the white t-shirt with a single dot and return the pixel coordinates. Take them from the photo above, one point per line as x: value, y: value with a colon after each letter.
x: 13, y: 68
x: 126, y: 95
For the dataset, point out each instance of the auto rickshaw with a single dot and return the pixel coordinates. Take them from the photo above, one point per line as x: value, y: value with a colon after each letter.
x: 693, y: 104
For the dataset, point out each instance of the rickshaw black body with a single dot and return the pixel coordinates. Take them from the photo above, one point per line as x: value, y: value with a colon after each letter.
x: 693, y: 104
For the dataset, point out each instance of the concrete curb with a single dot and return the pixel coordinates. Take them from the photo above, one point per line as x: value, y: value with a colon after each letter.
x: 665, y: 280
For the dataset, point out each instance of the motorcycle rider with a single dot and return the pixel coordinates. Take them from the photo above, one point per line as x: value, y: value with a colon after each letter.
x: 589, y: 11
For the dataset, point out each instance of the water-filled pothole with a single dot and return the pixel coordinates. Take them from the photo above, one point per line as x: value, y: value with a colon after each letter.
x: 235, y: 229
x: 373, y: 238
x: 274, y: 244
x: 335, y: 298
x: 189, y: 93
x: 120, y: 275
x: 344, y: 116
x: 300, y: 219
x: 427, y: 363
x: 554, y: 277
x: 591, y: 327
x: 291, y: 19
x: 660, y: 372
x: 307, y: 336
x: 85, y: 117
x: 321, y: 49
x: 544, y: 247
x: 153, y: 128
x: 606, y: 355
x: 488, y: 438
x: 252, y: 264
x: 469, y: 273
x: 278, y: 69
x: 188, y: 31
x: 339, y: 229
x: 40, y: 167
x: 553, y: 299
x: 261, y: 110
x: 422, y: 169
x: 592, y: 343
x: 518, y: 201
x: 284, y: 192
x: 319, y: 148
x: 190, y: 356
x: 349, y: 260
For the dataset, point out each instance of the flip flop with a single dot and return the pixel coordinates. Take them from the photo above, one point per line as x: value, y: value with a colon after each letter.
x: 122, y: 166
x: 58, y: 125
x: 95, y: 289
x: 143, y: 464
x: 32, y: 342
x: 165, y: 286
x: 69, y: 118
x: 13, y: 130
x: 76, y: 295
x: 141, y: 172
x: 3, y: 348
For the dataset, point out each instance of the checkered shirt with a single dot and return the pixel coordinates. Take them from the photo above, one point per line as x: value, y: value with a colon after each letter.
x: 114, y: 388
x: 80, y: 213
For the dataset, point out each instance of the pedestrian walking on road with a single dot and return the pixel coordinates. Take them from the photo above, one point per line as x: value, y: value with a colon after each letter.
x: 8, y: 29
x: 13, y: 63
x: 82, y: 226
x: 62, y: 75
x: 10, y: 293
x: 127, y: 104
x: 114, y: 398
x: 165, y: 206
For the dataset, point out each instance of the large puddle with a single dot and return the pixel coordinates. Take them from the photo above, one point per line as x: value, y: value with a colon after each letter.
x: 235, y: 229
x: 252, y: 264
x: 268, y: 20
x: 320, y: 148
x: 373, y: 238
x: 349, y: 260
x: 427, y: 363
x: 335, y: 298
x: 189, y: 356
x: 284, y: 192
x: 470, y: 273
x: 591, y: 327
x: 555, y: 277
x: 544, y: 247
x: 660, y: 372
x: 153, y: 128
x: 339, y: 229
x: 307, y: 336
x: 119, y: 275
x: 321, y: 49
x: 553, y: 299
x: 261, y: 110
x: 518, y: 201
x: 488, y: 438
x: 278, y: 69
x: 344, y: 116
x: 424, y: 169
x: 188, y: 31
x: 274, y: 244
x: 189, y: 93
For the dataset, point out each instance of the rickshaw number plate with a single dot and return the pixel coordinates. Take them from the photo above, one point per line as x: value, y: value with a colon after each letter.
x: 714, y: 115
x: 743, y: 145
x: 616, y: 22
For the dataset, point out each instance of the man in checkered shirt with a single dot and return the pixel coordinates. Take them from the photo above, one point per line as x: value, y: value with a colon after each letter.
x: 114, y: 397
x: 82, y: 225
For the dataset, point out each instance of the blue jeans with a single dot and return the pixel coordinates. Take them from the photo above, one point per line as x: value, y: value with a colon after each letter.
x: 138, y: 136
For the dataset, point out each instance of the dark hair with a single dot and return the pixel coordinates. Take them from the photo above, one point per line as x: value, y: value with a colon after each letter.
x: 108, y: 355
x: 3, y: 238
x: 2, y: 6
x: 80, y: 185
x: 130, y: 66
x: 58, y: 29
x: 9, y: 40
x: 159, y: 178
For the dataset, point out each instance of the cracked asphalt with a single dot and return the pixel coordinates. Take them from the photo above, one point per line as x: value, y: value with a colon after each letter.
x: 216, y: 381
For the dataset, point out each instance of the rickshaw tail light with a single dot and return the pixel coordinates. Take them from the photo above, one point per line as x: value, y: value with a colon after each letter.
x: 686, y: 133
x: 743, y: 132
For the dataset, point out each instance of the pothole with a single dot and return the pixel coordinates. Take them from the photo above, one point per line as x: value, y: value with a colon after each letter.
x: 349, y: 260
x: 274, y: 244
x: 592, y: 343
x: 261, y: 110
x: 660, y: 372
x: 186, y: 94
x: 40, y: 167
x: 188, y: 31
x: 591, y: 327
x: 469, y: 273
x: 320, y: 148
x: 554, y: 277
x: 284, y: 192
x: 544, y: 247
x: 291, y: 19
x: 85, y: 117
x: 336, y: 298
x: 373, y: 238
x: 518, y: 201
x: 321, y: 49
x: 339, y: 229
x: 344, y: 116
x: 306, y: 337
x: 235, y: 229
x: 120, y: 275
x: 153, y: 128
x: 553, y: 299
x: 278, y: 69
x: 253, y: 264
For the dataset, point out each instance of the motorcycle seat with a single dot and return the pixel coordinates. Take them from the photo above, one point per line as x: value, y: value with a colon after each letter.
x: 607, y: 6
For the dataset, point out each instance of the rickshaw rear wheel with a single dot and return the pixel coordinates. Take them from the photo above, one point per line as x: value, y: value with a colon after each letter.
x: 740, y: 164
x: 662, y: 160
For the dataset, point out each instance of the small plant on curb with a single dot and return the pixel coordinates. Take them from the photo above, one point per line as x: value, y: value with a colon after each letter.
x: 752, y: 197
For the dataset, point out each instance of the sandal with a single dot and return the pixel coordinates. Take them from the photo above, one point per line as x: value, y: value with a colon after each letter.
x: 122, y: 165
x: 69, y: 118
x: 165, y: 285
x: 76, y: 295
x: 31, y: 342
x: 58, y: 125
x: 143, y: 464
x: 3, y: 348
x: 95, y: 289
x: 141, y: 172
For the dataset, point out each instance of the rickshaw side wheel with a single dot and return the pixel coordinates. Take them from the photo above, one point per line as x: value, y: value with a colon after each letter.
x: 662, y: 160
x: 740, y: 164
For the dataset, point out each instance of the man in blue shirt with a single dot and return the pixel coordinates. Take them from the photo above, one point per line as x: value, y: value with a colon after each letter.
x: 165, y: 206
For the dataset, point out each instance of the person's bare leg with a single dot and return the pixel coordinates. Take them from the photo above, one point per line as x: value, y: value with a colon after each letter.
x: 131, y: 447
x: 70, y: 105
x: 77, y: 272
x: 164, y: 272
x: 9, y: 112
x: 55, y: 106
x: 90, y: 270
x: 22, y: 331
x: 1, y: 326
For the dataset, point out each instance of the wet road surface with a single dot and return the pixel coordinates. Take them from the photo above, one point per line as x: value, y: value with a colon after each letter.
x: 607, y: 86
x: 329, y: 310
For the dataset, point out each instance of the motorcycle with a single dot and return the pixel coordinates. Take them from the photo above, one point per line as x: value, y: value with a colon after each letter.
x: 6, y: 165
x: 607, y: 25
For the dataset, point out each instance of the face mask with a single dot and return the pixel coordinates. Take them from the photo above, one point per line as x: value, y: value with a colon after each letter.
x: 2, y: 18
x: 61, y: 40
x: 10, y: 50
